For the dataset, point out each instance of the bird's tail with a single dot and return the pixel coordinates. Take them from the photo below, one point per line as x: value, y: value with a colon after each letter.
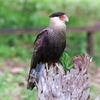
x: 34, y: 76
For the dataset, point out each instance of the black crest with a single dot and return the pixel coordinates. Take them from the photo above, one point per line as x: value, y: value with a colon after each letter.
x: 57, y: 14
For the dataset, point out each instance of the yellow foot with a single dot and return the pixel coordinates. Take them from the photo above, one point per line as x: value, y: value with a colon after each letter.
x: 59, y: 68
x: 47, y: 67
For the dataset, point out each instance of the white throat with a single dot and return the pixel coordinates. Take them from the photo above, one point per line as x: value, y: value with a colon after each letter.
x: 56, y: 22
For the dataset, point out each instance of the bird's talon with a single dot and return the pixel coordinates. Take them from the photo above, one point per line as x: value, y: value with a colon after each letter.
x: 47, y: 67
x: 62, y: 73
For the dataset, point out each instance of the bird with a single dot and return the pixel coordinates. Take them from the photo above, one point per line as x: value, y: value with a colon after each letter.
x: 48, y: 46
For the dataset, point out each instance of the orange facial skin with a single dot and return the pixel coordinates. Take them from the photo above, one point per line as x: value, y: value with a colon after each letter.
x: 63, y: 17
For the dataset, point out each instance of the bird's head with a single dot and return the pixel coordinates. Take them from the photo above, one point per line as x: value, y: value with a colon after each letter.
x: 58, y: 17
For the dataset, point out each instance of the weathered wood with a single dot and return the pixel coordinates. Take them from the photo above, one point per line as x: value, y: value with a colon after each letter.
x: 90, y: 40
x: 72, y: 86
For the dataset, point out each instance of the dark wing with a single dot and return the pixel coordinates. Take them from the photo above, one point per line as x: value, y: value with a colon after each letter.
x: 38, y: 47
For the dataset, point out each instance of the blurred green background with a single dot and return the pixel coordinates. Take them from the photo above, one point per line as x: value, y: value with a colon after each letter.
x: 16, y: 49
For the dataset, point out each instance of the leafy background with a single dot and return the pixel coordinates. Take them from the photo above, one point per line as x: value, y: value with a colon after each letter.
x: 16, y: 49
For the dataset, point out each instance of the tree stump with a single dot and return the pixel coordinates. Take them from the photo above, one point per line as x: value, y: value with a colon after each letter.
x: 71, y: 86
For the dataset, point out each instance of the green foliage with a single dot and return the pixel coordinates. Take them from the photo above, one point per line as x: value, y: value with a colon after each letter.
x: 96, y: 55
x: 33, y: 13
x: 93, y: 92
x: 10, y: 88
x: 19, y: 46
x: 66, y: 61
x: 76, y: 43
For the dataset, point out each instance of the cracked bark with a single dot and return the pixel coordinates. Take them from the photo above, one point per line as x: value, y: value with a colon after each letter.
x: 71, y: 86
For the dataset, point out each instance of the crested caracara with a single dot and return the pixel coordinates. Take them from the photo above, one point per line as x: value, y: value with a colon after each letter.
x: 48, y: 46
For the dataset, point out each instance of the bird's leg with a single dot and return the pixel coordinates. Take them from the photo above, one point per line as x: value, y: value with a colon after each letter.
x: 46, y: 67
x: 59, y: 68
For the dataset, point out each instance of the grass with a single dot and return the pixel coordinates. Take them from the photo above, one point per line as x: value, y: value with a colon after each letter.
x: 13, y: 86
x: 15, y: 48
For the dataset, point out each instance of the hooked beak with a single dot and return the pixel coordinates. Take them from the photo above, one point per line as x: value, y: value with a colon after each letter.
x: 66, y: 18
